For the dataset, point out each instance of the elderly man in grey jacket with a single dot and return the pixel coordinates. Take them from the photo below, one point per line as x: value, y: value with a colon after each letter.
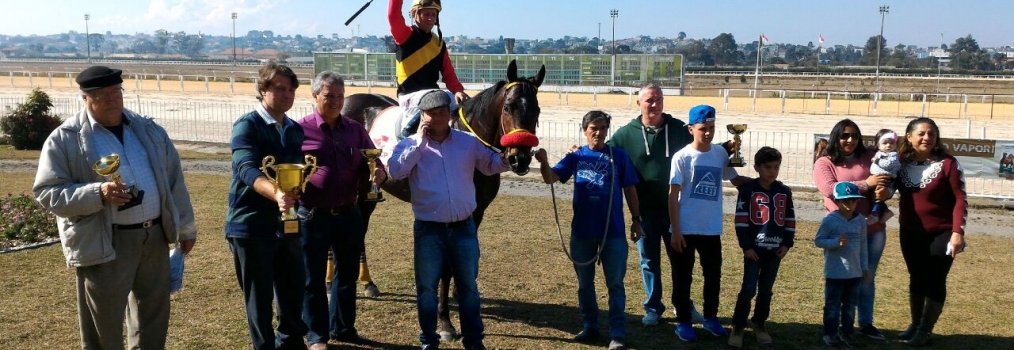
x: 116, y: 234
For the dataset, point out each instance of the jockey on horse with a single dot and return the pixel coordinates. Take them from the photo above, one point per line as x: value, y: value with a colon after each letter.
x: 421, y: 58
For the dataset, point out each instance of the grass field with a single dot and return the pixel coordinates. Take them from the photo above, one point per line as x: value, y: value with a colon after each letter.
x: 528, y: 286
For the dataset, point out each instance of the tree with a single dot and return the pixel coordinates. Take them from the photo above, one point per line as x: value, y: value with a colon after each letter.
x: 681, y: 36
x: 870, y: 51
x: 696, y: 52
x: 96, y: 40
x: 723, y: 50
x: 966, y: 54
x: 143, y: 46
x: 389, y: 44
x: 161, y: 41
x: 901, y: 59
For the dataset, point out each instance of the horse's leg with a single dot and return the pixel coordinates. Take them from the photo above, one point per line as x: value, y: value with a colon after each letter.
x: 366, y: 209
x: 444, y: 326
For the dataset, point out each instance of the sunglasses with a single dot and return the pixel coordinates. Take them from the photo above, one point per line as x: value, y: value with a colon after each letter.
x: 848, y: 135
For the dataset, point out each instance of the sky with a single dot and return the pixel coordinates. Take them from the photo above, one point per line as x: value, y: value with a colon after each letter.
x: 841, y: 22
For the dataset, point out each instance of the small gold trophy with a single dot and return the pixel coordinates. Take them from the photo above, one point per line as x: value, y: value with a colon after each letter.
x: 290, y: 179
x: 737, y: 158
x: 110, y: 166
x: 371, y: 155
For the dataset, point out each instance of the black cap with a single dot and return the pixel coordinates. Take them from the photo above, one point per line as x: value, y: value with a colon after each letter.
x: 97, y: 77
x: 434, y: 99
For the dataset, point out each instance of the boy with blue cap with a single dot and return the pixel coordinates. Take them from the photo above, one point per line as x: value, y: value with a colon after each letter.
x: 842, y: 235
x: 695, y: 192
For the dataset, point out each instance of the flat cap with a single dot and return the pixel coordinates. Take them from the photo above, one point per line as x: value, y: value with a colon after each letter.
x: 434, y: 99
x: 97, y: 77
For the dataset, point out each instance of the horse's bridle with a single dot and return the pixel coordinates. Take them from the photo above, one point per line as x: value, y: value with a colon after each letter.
x: 506, y: 88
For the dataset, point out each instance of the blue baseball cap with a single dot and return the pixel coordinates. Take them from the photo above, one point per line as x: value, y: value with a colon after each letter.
x: 846, y: 190
x: 701, y: 114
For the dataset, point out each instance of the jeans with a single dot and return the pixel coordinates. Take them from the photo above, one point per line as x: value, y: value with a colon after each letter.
x: 710, y: 249
x: 875, y: 243
x: 341, y: 231
x: 758, y: 279
x: 840, y: 304
x: 271, y: 270
x: 656, y: 234
x: 614, y: 267
x: 458, y: 246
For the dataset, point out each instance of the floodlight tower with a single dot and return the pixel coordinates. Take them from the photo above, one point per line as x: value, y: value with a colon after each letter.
x: 88, y: 38
x: 234, y: 38
x: 612, y: 70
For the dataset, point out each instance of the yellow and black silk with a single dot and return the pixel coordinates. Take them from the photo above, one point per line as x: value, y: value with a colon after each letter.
x: 419, y: 61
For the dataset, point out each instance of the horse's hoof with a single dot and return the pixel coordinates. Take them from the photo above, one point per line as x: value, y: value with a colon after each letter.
x: 447, y: 336
x: 371, y: 291
x: 446, y: 331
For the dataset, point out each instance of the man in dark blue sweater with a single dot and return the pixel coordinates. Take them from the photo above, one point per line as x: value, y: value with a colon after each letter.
x: 269, y: 263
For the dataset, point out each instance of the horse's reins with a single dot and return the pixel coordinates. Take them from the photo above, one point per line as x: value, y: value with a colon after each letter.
x: 461, y: 116
x: 609, y: 214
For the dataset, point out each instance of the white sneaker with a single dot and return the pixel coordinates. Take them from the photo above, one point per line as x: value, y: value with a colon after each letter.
x: 650, y: 318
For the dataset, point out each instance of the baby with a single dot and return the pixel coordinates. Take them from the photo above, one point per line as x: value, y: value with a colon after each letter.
x: 884, y: 162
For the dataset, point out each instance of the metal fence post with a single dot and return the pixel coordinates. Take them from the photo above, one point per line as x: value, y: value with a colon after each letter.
x: 158, y: 81
x: 207, y: 87
x: 232, y: 85
x: 181, y: 83
x: 49, y: 77
x: 827, y: 104
x: 923, y: 114
x: 965, y: 106
x: 783, y: 100
x: 725, y: 100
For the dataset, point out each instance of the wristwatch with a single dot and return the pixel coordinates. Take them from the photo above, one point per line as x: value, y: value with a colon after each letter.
x: 635, y: 218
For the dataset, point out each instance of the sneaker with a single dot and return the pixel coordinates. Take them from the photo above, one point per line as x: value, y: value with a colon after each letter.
x: 736, y: 338
x: 650, y: 318
x: 762, y: 334
x: 849, y: 340
x: 908, y: 333
x: 872, y: 332
x: 715, y: 327
x: 832, y: 340
x: 685, y: 331
x: 617, y: 344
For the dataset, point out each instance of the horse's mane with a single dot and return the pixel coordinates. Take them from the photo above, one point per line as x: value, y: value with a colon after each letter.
x: 479, y: 105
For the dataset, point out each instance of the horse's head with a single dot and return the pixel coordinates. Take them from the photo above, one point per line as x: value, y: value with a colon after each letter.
x: 519, y: 117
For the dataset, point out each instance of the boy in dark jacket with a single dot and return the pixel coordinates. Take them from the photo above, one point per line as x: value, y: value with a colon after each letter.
x: 765, y: 227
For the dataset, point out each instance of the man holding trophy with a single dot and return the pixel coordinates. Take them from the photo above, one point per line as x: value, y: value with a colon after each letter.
x: 114, y: 179
x: 266, y: 247
x: 331, y: 218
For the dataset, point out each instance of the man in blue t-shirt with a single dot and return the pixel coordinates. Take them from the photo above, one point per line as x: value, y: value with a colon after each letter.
x: 597, y: 231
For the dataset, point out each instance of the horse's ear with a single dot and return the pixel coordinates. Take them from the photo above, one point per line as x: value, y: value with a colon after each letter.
x: 540, y: 76
x: 512, y: 71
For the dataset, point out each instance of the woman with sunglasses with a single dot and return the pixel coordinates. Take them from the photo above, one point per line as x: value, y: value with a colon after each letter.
x: 847, y: 159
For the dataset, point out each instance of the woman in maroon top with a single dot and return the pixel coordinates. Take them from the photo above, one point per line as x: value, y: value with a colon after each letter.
x: 932, y: 215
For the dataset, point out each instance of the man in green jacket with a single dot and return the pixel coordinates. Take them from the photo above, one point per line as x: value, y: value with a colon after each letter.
x: 651, y: 139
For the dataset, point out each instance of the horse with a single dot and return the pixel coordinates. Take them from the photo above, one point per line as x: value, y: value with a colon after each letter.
x: 503, y: 116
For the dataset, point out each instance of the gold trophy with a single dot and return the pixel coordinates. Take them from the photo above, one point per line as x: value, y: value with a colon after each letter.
x: 371, y: 155
x: 110, y: 166
x: 737, y: 158
x: 291, y: 179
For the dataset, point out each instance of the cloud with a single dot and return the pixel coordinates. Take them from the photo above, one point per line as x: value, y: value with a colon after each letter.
x: 192, y: 16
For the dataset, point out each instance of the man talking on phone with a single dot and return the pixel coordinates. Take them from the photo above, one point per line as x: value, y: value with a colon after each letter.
x: 439, y: 163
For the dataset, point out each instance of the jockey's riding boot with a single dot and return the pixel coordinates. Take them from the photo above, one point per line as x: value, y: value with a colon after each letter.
x: 411, y: 126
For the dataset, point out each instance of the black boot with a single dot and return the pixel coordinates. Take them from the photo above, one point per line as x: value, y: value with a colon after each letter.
x: 930, y: 314
x: 411, y: 126
x: 915, y: 305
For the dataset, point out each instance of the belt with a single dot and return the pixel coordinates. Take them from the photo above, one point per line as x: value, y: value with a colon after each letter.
x: 334, y: 210
x: 145, y: 224
x: 448, y: 224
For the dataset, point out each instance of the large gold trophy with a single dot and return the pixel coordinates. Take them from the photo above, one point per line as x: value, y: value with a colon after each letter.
x: 737, y: 158
x: 290, y: 179
x: 109, y: 166
x: 371, y: 155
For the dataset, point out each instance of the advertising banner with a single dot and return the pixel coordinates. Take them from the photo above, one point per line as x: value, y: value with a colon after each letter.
x: 988, y: 159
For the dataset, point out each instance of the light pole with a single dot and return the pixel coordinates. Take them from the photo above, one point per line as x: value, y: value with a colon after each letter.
x: 88, y: 38
x: 938, y: 61
x: 234, y: 38
x: 883, y: 11
x: 612, y: 70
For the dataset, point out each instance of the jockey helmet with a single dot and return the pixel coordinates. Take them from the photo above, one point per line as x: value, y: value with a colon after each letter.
x: 425, y: 4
